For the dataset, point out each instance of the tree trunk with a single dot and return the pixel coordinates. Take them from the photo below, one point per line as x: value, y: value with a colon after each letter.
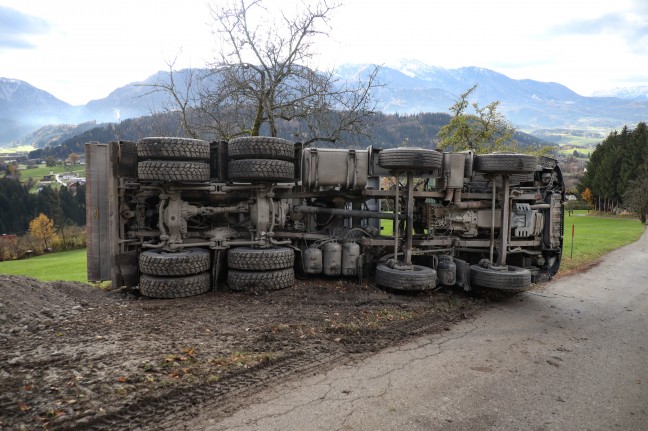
x: 258, y: 120
x: 258, y: 117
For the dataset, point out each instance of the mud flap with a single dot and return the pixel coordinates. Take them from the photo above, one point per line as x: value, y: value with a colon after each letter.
x: 128, y: 271
x: 218, y: 273
x: 463, y: 274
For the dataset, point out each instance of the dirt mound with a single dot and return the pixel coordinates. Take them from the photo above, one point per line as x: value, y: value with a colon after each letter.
x: 26, y: 302
x: 75, y: 357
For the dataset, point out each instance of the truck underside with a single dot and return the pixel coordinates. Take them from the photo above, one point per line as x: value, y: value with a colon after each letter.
x: 179, y: 217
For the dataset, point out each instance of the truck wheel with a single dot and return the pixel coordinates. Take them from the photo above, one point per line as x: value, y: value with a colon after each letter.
x: 260, y: 170
x: 172, y: 149
x: 506, y: 163
x: 252, y: 281
x: 261, y: 147
x: 513, y: 278
x: 256, y: 259
x: 416, y: 279
x: 177, y: 263
x: 172, y: 170
x: 174, y: 287
x: 418, y: 159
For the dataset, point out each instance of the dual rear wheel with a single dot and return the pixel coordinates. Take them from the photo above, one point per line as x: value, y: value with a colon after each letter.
x: 260, y: 269
x: 175, y: 274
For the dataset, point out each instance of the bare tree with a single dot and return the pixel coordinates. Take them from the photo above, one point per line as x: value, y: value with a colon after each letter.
x: 263, y: 79
x: 181, y: 89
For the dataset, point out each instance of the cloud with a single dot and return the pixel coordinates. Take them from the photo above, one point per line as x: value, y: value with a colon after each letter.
x: 16, y: 27
x: 629, y: 26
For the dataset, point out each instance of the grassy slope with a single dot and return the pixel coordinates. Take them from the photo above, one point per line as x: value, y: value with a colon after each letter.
x: 39, y: 172
x: 42, y: 170
x: 595, y: 236
x: 64, y: 265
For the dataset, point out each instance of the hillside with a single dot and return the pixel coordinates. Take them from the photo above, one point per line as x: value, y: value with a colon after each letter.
x: 407, y: 88
x: 630, y: 93
x: 24, y: 108
x: 416, y: 87
x: 418, y: 130
x: 54, y: 134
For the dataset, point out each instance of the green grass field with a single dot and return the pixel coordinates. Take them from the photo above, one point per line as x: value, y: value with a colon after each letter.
x: 39, y: 172
x: 42, y: 170
x: 64, y: 265
x: 595, y: 236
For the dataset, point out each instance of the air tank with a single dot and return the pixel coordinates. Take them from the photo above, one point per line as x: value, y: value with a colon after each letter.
x: 312, y: 259
x: 332, y: 259
x: 446, y: 271
x: 350, y: 255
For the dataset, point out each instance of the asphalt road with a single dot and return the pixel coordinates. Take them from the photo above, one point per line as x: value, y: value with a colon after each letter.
x: 570, y: 355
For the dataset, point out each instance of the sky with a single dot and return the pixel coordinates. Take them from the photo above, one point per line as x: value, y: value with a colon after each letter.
x: 81, y: 50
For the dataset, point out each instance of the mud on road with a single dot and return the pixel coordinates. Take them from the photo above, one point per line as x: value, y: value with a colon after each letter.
x: 73, y: 356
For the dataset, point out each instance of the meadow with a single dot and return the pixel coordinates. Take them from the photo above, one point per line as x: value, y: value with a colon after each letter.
x: 37, y: 173
x: 594, y: 236
x: 41, y: 170
x: 62, y: 265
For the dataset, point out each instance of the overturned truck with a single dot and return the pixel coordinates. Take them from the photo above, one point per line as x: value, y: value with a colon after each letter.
x: 180, y: 217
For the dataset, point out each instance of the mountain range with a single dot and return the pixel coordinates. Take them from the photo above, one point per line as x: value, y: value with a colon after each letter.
x: 407, y: 88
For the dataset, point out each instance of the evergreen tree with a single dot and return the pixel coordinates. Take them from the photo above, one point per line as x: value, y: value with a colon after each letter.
x: 17, y: 207
x: 48, y: 203
x: 616, y: 165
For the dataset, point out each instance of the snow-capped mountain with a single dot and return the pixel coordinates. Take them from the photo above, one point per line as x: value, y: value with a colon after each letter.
x: 407, y: 87
x: 412, y: 87
x: 629, y: 93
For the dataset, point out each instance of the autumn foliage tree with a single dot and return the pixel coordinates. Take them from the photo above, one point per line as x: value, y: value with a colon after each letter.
x: 588, y: 197
x: 74, y: 158
x: 42, y: 228
x: 484, y: 131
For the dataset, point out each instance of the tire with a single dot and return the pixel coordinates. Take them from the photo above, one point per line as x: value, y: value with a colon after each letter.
x: 261, y: 147
x: 418, y: 159
x: 174, y: 287
x: 513, y: 279
x: 417, y: 279
x: 157, y: 170
x: 257, y: 259
x: 172, y: 149
x: 259, y: 170
x: 185, y: 262
x: 252, y: 281
x: 506, y: 163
